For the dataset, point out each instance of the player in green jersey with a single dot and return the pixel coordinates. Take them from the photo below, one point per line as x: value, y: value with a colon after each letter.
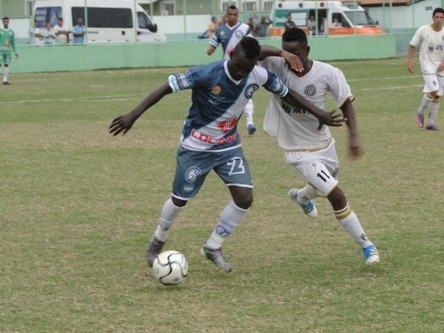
x: 7, y: 46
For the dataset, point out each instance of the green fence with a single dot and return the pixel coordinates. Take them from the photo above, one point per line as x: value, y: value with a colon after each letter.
x: 186, y: 53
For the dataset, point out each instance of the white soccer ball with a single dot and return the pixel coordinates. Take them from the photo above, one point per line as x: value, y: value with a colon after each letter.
x: 170, y: 267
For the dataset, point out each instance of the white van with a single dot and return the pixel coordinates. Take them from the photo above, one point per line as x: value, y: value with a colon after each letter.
x: 106, y: 20
x: 333, y: 18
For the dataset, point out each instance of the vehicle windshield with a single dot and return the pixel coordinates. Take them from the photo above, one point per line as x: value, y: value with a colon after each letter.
x: 359, y: 18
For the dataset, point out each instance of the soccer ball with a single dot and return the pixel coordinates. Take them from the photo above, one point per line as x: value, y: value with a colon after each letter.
x: 170, y: 267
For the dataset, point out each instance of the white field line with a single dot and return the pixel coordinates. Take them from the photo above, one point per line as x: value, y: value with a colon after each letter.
x: 128, y: 97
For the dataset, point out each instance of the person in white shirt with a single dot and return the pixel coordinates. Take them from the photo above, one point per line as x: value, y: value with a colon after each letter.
x: 37, y: 37
x: 429, y: 39
x: 61, y: 32
x: 309, y: 150
x: 48, y: 35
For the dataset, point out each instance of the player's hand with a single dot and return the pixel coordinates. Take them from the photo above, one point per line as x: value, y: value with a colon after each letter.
x: 332, y: 118
x: 122, y: 124
x: 355, y: 149
x: 293, y: 61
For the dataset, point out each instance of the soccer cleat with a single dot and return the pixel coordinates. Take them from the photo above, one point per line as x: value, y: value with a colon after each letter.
x: 251, y: 129
x: 371, y: 255
x: 432, y: 127
x: 153, y: 250
x: 6, y: 83
x: 420, y: 120
x: 216, y: 257
x: 309, y: 208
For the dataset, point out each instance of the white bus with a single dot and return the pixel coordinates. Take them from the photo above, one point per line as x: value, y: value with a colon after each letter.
x: 105, y: 20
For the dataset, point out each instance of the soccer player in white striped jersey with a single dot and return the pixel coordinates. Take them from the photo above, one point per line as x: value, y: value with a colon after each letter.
x: 429, y: 39
x: 311, y: 151
x: 228, y: 35
x: 210, y: 140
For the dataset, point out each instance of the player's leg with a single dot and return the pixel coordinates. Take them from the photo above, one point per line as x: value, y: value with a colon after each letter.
x: 351, y: 224
x: 434, y: 105
x: 6, y: 60
x: 187, y: 183
x: 249, y: 113
x: 235, y: 173
x: 320, y: 170
x: 431, y: 87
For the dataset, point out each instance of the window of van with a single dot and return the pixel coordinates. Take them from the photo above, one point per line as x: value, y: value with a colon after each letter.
x: 47, y: 14
x: 104, y: 17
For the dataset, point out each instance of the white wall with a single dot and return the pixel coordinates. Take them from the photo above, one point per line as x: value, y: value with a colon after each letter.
x: 404, y: 16
x: 176, y: 24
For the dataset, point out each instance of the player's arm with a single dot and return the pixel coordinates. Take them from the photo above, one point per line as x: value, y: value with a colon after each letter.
x: 350, y: 119
x: 124, y: 123
x: 409, y: 58
x: 291, y: 59
x: 332, y: 118
x: 211, y: 50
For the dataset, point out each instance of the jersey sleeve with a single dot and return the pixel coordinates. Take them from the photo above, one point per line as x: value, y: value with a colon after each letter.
x: 275, y: 85
x: 339, y: 87
x: 215, y: 41
x: 192, y: 78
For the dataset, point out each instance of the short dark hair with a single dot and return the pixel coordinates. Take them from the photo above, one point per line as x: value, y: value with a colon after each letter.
x: 295, y: 35
x: 5, y: 18
x: 250, y: 46
x: 233, y: 7
x: 438, y: 10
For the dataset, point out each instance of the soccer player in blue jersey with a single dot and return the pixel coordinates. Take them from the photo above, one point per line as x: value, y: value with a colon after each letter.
x: 210, y: 140
x: 228, y: 35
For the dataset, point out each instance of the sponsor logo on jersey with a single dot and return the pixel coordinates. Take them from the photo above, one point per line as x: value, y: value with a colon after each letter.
x: 211, y: 140
x: 216, y: 90
x: 250, y: 90
x: 227, y: 125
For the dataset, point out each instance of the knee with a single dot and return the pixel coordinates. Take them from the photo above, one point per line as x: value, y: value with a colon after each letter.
x: 178, y: 202
x: 245, y: 201
x: 337, y: 199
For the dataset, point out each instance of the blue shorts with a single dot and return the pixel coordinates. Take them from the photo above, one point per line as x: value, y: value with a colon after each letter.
x: 193, y: 167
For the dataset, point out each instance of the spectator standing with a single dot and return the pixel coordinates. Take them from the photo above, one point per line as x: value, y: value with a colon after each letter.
x: 78, y: 32
x: 429, y: 39
x: 311, y: 26
x: 61, y: 32
x: 251, y: 25
x: 7, y: 46
x: 37, y: 36
x: 289, y: 23
x: 229, y: 35
x: 261, y: 28
x: 48, y: 35
x: 212, y: 27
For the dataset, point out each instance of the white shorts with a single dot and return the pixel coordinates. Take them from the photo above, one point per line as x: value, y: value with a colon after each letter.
x: 433, y: 83
x: 320, y: 168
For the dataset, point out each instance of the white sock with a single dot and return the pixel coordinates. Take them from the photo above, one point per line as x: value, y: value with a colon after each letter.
x: 5, y: 73
x: 350, y: 222
x: 229, y: 219
x: 306, y: 193
x: 424, y: 104
x: 433, y: 112
x: 167, y: 219
x: 249, y: 111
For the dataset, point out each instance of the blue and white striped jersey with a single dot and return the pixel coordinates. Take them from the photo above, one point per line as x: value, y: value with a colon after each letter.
x: 218, y: 102
x: 229, y: 37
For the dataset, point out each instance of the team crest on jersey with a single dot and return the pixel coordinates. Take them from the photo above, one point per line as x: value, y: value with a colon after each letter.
x: 222, y: 33
x: 239, y: 34
x: 192, y: 173
x: 310, y: 90
x: 227, y: 125
x: 216, y: 90
x: 250, y: 90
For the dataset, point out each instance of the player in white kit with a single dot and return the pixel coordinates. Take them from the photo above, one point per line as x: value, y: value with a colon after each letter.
x: 429, y: 39
x: 308, y: 150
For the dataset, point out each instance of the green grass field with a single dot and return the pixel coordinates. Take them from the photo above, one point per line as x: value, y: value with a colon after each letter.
x: 78, y: 207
